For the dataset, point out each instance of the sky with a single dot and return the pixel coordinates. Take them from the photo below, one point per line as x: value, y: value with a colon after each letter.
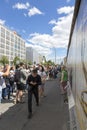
x: 43, y: 24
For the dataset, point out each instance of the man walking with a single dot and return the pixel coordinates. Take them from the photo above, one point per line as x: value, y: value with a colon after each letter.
x: 34, y: 80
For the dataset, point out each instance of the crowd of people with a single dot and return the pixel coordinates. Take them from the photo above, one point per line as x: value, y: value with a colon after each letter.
x: 32, y: 79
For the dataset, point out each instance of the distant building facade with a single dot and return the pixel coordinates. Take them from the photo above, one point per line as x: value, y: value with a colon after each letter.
x: 11, y: 44
x: 33, y: 56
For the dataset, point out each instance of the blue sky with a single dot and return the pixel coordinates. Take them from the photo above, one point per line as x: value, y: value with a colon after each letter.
x: 44, y: 24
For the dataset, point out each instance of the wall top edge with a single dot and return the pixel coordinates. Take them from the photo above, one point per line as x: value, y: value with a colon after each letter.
x: 76, y: 10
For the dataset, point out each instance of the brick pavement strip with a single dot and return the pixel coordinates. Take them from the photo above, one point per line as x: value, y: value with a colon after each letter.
x: 52, y: 114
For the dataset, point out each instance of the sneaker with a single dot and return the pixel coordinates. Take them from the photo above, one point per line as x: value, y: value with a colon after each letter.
x: 43, y: 96
x: 30, y: 116
x: 66, y: 102
x: 37, y: 104
x: 22, y: 102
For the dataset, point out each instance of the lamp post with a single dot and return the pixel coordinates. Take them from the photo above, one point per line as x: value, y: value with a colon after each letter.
x: 55, y: 54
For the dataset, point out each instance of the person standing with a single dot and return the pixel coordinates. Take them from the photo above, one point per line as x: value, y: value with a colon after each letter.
x: 64, y: 79
x: 4, y: 79
x: 20, y: 79
x: 34, y: 80
x: 11, y: 79
x: 42, y: 73
x: 2, y: 83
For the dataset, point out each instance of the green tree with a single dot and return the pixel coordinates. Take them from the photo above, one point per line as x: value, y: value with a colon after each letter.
x: 49, y: 62
x: 16, y: 60
x: 29, y: 63
x: 4, y: 60
x: 23, y: 60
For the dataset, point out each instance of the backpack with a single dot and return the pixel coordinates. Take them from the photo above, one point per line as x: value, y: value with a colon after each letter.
x: 17, y: 75
x: 11, y: 79
x: 20, y: 77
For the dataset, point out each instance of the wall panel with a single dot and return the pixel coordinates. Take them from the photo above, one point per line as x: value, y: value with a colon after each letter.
x: 77, y: 64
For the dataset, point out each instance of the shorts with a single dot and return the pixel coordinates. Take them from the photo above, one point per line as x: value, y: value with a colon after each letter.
x: 20, y: 86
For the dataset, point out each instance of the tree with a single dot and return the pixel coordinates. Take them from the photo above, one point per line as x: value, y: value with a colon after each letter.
x: 4, y: 60
x: 16, y: 60
x: 29, y: 63
x: 49, y: 62
x: 23, y: 60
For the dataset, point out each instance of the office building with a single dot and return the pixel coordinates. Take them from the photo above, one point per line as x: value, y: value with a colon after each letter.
x: 32, y: 55
x: 11, y: 44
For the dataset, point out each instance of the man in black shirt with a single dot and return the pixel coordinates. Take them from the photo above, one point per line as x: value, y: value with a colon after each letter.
x: 34, y: 80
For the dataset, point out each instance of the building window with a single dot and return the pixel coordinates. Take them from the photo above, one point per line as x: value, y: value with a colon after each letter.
x: 2, y: 45
x: 7, y: 47
x: 7, y: 52
x: 11, y: 53
x: 2, y: 40
x: 7, y: 33
x: 2, y: 30
x: 12, y: 37
x: 1, y: 50
x: 3, y: 35
x: 7, y: 42
x: 7, y: 37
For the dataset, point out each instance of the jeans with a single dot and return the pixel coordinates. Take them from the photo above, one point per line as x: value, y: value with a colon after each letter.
x: 30, y: 93
x: 4, y: 92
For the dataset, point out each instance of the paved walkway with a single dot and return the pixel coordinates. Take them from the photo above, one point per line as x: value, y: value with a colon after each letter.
x: 52, y: 114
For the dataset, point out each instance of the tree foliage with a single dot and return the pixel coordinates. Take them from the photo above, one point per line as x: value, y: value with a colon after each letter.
x: 16, y: 60
x: 49, y: 62
x: 4, y: 60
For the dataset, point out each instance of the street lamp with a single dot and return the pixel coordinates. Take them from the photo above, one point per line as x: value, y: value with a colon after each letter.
x: 55, y: 54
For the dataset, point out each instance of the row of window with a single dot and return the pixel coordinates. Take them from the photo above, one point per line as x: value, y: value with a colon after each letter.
x: 13, y: 39
x: 2, y: 44
x: 9, y: 48
x: 10, y: 55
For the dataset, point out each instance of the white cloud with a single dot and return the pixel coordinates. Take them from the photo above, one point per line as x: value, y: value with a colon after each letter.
x: 61, y: 31
x: 34, y: 11
x: 41, y: 39
x: 59, y: 37
x: 2, y: 21
x: 21, y: 6
x: 30, y: 10
x: 53, y: 21
x: 40, y: 49
x: 65, y: 10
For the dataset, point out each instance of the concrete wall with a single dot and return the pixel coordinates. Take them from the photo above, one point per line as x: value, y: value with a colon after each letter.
x: 77, y: 64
